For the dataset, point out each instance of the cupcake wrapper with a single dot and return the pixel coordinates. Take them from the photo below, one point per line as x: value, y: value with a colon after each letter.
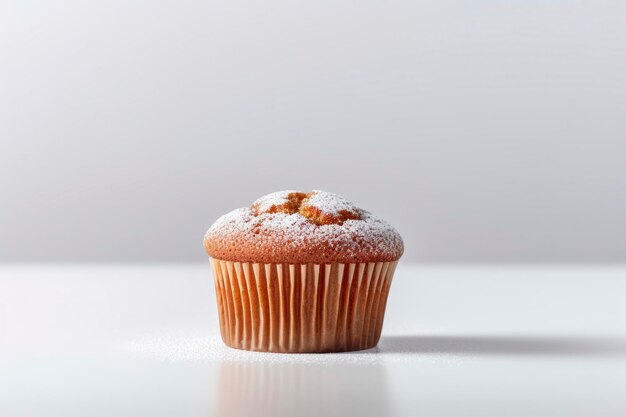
x: 301, y: 307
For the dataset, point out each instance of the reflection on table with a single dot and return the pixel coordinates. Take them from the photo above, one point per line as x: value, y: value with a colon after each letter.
x: 302, y: 389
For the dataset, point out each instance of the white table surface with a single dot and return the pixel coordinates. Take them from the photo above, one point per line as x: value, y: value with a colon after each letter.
x: 142, y: 340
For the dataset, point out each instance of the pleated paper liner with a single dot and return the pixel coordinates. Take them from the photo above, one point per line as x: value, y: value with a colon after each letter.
x: 301, y: 307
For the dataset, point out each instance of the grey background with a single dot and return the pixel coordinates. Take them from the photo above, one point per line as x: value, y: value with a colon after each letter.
x: 487, y: 131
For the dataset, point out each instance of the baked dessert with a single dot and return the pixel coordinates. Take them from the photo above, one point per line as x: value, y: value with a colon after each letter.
x: 302, y: 272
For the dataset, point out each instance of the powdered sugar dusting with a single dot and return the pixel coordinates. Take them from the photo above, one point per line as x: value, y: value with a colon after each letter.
x: 329, y: 202
x: 257, y: 236
x: 278, y: 198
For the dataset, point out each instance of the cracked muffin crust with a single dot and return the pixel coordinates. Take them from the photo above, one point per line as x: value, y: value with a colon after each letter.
x: 297, y: 227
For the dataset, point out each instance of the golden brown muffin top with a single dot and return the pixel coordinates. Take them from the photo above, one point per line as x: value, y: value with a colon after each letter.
x: 298, y: 227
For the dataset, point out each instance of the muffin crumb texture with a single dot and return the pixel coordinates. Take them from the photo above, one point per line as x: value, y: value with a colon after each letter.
x: 298, y: 227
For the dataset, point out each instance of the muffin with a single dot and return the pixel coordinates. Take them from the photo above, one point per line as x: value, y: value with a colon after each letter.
x: 302, y: 272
